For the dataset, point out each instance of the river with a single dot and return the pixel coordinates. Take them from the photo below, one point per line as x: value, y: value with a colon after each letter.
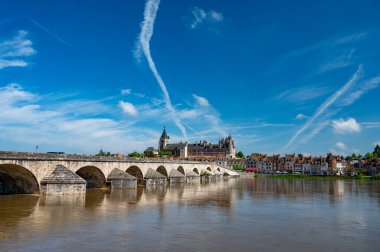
x: 247, y: 214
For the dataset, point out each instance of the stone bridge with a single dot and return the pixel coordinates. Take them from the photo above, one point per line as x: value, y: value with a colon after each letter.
x: 22, y: 172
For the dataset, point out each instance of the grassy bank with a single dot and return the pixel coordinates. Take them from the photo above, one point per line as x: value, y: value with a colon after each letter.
x: 300, y: 176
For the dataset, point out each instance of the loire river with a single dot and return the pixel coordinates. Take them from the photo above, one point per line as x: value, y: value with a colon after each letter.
x: 252, y: 214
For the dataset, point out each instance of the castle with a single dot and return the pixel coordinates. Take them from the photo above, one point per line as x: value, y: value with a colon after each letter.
x: 224, y: 149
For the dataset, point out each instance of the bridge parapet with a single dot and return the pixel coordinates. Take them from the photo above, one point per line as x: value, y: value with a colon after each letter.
x: 12, y: 155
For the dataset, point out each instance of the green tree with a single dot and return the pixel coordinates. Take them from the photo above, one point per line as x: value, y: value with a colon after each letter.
x: 239, y: 154
x: 376, y: 151
x: 369, y: 155
x: 165, y: 153
x: 102, y: 153
x: 238, y: 167
x: 135, y: 154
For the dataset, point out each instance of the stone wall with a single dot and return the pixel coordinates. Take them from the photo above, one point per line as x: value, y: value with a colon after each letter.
x: 123, y: 184
x: 155, y: 181
x: 63, y: 188
x: 175, y: 180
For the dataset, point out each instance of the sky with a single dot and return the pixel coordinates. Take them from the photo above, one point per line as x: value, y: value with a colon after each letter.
x: 278, y: 76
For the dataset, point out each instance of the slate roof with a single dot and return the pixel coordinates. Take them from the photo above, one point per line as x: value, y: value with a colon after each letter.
x: 119, y: 174
x: 62, y: 175
x: 164, y: 134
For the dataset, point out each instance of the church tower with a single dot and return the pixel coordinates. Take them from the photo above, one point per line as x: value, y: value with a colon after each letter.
x: 230, y: 153
x: 164, y: 140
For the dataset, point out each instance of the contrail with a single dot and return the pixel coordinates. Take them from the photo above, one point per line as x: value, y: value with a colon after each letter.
x: 150, y: 12
x: 50, y: 33
x: 325, y: 105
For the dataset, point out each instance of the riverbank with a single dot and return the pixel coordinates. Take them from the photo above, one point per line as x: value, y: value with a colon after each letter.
x: 301, y: 176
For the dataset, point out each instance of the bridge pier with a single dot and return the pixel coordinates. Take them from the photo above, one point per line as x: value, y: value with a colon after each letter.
x: 62, y: 181
x: 121, y: 180
x: 153, y: 177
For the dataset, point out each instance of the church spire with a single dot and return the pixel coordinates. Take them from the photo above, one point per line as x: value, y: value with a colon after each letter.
x: 164, y: 135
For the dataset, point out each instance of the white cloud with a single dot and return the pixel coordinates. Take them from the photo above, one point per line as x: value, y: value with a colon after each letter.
x: 200, y: 16
x: 341, y: 146
x: 126, y: 91
x: 349, y: 126
x: 25, y: 123
x: 301, y: 116
x: 343, y: 149
x: 201, y: 100
x: 11, y: 51
x: 128, y: 108
x: 12, y: 63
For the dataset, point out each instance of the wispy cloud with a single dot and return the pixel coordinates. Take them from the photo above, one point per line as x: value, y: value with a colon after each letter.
x: 12, y: 51
x: 318, y: 127
x: 201, y: 100
x: 58, y: 38
x: 339, y: 62
x: 126, y: 91
x: 143, y: 46
x: 328, y: 43
x: 341, y: 146
x: 371, y: 124
x: 200, y: 16
x: 343, y: 149
x: 303, y: 93
x: 27, y: 119
x: 322, y: 108
x: 342, y: 126
x: 363, y: 88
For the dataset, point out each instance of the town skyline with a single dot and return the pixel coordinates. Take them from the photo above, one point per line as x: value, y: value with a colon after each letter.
x: 79, y: 83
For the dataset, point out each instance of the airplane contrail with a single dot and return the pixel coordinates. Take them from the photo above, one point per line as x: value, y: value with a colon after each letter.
x: 143, y: 45
x: 326, y: 105
x: 51, y: 33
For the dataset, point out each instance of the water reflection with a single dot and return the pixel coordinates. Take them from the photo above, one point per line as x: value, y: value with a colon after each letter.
x: 245, y: 209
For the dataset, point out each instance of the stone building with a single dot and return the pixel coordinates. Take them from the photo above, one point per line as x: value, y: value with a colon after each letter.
x: 225, y: 148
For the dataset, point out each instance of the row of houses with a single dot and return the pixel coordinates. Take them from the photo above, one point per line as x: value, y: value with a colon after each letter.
x: 300, y: 164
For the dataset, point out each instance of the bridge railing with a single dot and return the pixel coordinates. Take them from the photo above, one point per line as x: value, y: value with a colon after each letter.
x: 12, y: 155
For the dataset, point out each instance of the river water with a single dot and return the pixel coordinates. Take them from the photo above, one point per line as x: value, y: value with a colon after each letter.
x: 247, y: 214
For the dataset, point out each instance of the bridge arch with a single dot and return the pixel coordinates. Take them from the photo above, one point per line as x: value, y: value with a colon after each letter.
x: 93, y: 175
x: 208, y: 168
x: 161, y: 169
x: 181, y: 170
x: 136, y: 172
x: 218, y: 169
x: 196, y: 170
x: 15, y: 179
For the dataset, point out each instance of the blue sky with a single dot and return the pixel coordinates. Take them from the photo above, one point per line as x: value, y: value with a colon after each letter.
x: 279, y: 76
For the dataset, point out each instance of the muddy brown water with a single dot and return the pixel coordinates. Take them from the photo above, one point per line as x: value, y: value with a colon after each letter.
x: 247, y: 214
